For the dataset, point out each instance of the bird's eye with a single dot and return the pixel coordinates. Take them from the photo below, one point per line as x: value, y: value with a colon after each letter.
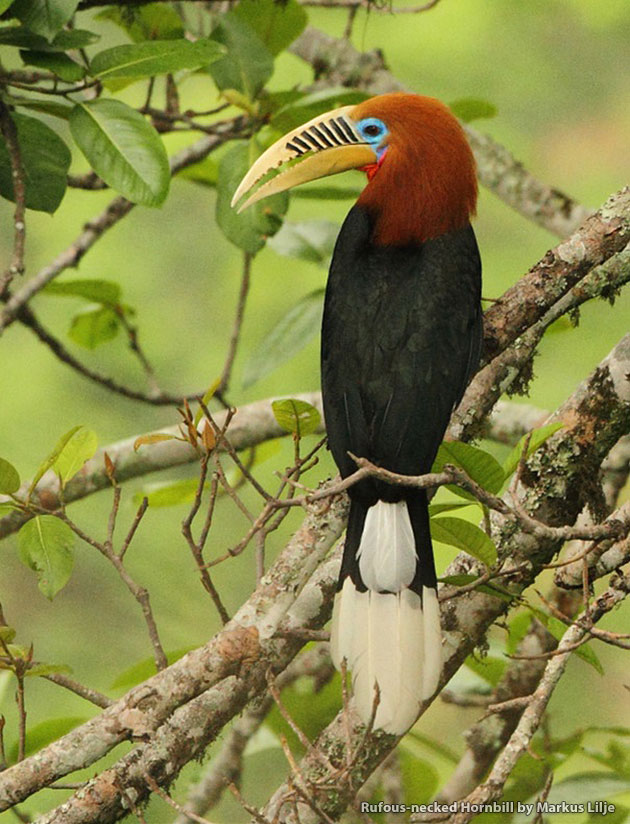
x: 372, y: 130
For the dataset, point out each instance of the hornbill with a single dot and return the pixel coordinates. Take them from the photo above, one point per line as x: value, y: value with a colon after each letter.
x: 401, y: 337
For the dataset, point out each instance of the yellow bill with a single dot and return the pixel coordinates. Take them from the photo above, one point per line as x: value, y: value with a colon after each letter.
x: 327, y: 144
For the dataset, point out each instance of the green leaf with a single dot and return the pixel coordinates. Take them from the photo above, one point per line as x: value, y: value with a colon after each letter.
x: 420, y: 778
x: 44, y: 17
x: 144, y: 669
x: 488, y: 589
x: 276, y: 24
x: 464, y: 535
x: 312, y: 240
x: 60, y: 64
x: 23, y: 38
x: 94, y: 325
x: 7, y: 508
x: 438, y: 509
x: 155, y: 21
x: 490, y: 668
x: 207, y: 397
x: 537, y: 438
x: 123, y: 149
x: 471, y: 108
x: 76, y: 451
x: 248, y: 63
x: 40, y: 670
x: 40, y: 735
x: 154, y: 57
x: 296, y: 416
x: 432, y: 744
x: 481, y: 466
x: 52, y: 107
x: 311, y: 709
x: 205, y: 172
x: 52, y: 457
x: 9, y: 478
x: 105, y: 292
x: 557, y: 629
x: 292, y: 332
x: 249, y: 230
x: 45, y: 546
x: 308, y: 106
x: 4, y: 5
x: 7, y: 634
x: 45, y: 160
x: 168, y: 493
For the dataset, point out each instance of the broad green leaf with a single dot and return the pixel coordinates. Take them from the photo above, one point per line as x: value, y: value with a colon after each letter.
x: 308, y: 106
x: 301, y: 323
x: 52, y: 457
x: 153, y: 57
x: 470, y: 108
x: 439, y: 509
x: 518, y: 627
x: 251, y: 229
x: 312, y: 240
x: 40, y: 670
x: 123, y: 149
x: 463, y: 535
x: 105, y: 292
x: 276, y: 24
x: 77, y: 450
x: 46, y: 732
x: 45, y: 160
x: 60, y: 64
x: 73, y: 39
x: 45, y: 545
x: 44, y: 17
x: 557, y: 629
x: 482, y: 467
x: 52, y: 107
x: 248, y: 63
x: 168, y: 493
x: 490, y: 668
x: 4, y: 5
x: 94, y: 325
x: 537, y: 438
x: 155, y: 21
x: 145, y: 669
x: 296, y: 416
x: 9, y: 478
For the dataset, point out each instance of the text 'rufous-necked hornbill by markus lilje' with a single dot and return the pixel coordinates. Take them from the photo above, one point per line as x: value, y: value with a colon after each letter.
x: 401, y: 337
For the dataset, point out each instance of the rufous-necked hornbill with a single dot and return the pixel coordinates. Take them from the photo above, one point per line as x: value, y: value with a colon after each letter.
x: 401, y: 337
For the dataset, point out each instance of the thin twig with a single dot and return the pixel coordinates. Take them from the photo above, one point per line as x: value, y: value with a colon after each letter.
x: 238, y: 322
x: 9, y: 132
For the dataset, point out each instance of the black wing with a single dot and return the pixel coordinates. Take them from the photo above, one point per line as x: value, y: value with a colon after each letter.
x: 401, y: 337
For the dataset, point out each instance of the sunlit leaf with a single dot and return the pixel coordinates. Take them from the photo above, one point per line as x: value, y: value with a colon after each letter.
x: 153, y: 57
x: 97, y: 291
x: 94, y: 325
x: 251, y: 229
x: 7, y: 634
x: 45, y: 160
x: 466, y: 536
x: 123, y: 149
x: 45, y: 545
x: 292, y: 332
x: 537, y: 438
x: 9, y: 478
x: 155, y: 21
x: 207, y: 397
x: 78, y: 449
x: 56, y: 108
x: 52, y: 457
x: 296, y: 416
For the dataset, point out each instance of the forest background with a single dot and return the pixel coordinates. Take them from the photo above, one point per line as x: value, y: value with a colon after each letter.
x: 549, y: 81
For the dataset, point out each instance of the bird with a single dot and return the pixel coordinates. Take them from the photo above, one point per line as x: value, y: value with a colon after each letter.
x: 401, y: 338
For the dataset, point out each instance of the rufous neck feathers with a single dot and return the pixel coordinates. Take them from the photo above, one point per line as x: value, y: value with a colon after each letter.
x: 426, y: 183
